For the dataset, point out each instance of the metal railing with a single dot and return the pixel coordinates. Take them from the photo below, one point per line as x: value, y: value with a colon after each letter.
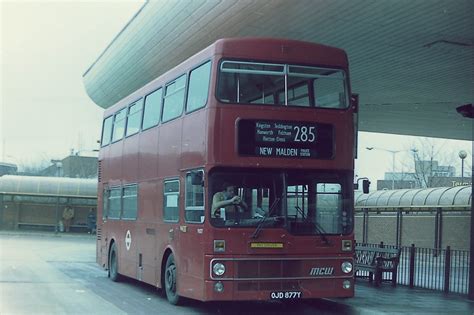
x: 436, y: 269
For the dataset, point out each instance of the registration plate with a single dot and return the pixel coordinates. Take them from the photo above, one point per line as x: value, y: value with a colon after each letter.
x: 282, y: 295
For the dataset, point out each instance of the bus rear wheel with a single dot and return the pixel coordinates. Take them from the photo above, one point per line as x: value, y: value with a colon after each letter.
x: 113, y: 263
x: 171, y: 282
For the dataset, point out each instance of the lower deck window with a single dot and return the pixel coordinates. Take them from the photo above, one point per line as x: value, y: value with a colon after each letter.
x: 170, y: 201
x: 115, y: 203
x: 130, y: 202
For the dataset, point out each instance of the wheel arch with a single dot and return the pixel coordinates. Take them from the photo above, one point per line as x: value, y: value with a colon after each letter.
x: 109, y: 248
x: 166, y: 254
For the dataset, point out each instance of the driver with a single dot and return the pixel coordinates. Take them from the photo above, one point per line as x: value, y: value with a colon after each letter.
x: 228, y: 200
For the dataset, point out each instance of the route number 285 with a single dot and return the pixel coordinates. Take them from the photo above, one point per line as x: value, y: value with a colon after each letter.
x: 304, y: 134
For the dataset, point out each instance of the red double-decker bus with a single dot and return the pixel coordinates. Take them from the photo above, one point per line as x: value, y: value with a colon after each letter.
x: 230, y: 177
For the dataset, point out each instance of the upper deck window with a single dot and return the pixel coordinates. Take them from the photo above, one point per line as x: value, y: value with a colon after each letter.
x: 134, y: 118
x: 174, y: 98
x: 107, y: 130
x: 282, y: 84
x: 198, y: 87
x: 152, y: 111
x: 119, y: 125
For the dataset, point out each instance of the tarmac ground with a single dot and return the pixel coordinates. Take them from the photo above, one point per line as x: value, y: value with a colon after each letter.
x: 47, y: 273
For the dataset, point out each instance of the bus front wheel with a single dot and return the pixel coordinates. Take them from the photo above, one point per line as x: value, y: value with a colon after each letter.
x: 170, y: 281
x: 113, y: 263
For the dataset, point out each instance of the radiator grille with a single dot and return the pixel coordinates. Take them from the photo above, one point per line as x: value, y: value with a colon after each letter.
x: 268, y: 269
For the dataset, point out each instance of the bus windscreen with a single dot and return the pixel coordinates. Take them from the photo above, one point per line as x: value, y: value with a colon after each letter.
x: 305, y: 203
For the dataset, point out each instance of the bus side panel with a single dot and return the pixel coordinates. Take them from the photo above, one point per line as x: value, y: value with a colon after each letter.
x: 194, y: 142
x: 169, y: 163
x: 130, y: 159
x: 114, y: 174
x: 169, y: 149
x: 148, y: 154
x: 194, y: 139
x: 191, y: 261
x: 149, y: 193
x: 127, y: 244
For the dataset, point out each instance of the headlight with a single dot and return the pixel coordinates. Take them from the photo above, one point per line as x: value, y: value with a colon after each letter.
x: 219, y: 269
x: 346, y: 267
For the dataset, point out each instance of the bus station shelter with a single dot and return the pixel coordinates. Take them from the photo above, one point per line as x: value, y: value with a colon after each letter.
x: 30, y: 202
x: 427, y: 216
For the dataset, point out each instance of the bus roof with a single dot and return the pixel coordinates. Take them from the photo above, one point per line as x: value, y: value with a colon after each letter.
x: 253, y: 48
x: 284, y: 50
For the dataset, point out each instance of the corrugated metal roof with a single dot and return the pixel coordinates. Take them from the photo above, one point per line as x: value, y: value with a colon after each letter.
x: 48, y: 186
x: 458, y: 197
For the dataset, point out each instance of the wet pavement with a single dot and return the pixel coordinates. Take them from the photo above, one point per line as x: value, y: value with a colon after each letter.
x: 403, y: 300
x: 43, y: 273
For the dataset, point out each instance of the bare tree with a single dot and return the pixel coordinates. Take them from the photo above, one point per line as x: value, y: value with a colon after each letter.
x: 432, y: 162
x: 35, y: 167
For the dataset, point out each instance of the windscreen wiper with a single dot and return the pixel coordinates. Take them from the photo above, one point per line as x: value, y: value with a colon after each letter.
x: 262, y: 220
x: 319, y: 229
x: 321, y: 232
x: 300, y: 211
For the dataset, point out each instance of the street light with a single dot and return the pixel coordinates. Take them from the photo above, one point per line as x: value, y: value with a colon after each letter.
x: 58, y: 164
x: 462, y: 155
x: 393, y: 161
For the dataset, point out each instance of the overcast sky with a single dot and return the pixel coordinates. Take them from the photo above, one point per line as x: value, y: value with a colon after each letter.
x: 45, y: 111
x: 46, y: 47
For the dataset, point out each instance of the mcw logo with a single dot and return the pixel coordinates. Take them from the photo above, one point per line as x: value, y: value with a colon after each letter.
x: 321, y: 271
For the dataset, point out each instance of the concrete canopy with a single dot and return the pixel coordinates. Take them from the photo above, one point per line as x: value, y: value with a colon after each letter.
x: 411, y: 61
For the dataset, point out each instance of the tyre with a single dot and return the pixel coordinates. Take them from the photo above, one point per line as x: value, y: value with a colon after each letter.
x: 113, y: 263
x: 171, y: 283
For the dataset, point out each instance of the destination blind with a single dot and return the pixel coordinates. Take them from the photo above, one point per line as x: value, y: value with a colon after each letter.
x: 270, y: 138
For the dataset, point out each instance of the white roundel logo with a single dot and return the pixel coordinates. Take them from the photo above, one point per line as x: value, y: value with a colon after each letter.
x: 128, y: 239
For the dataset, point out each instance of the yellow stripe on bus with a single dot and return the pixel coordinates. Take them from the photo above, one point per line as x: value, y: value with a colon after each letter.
x: 266, y: 245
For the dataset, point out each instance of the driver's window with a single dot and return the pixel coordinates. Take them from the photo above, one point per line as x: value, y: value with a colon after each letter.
x: 244, y: 201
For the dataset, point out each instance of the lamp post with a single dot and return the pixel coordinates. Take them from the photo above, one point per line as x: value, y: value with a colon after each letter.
x: 58, y: 165
x: 462, y: 155
x: 393, y: 161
